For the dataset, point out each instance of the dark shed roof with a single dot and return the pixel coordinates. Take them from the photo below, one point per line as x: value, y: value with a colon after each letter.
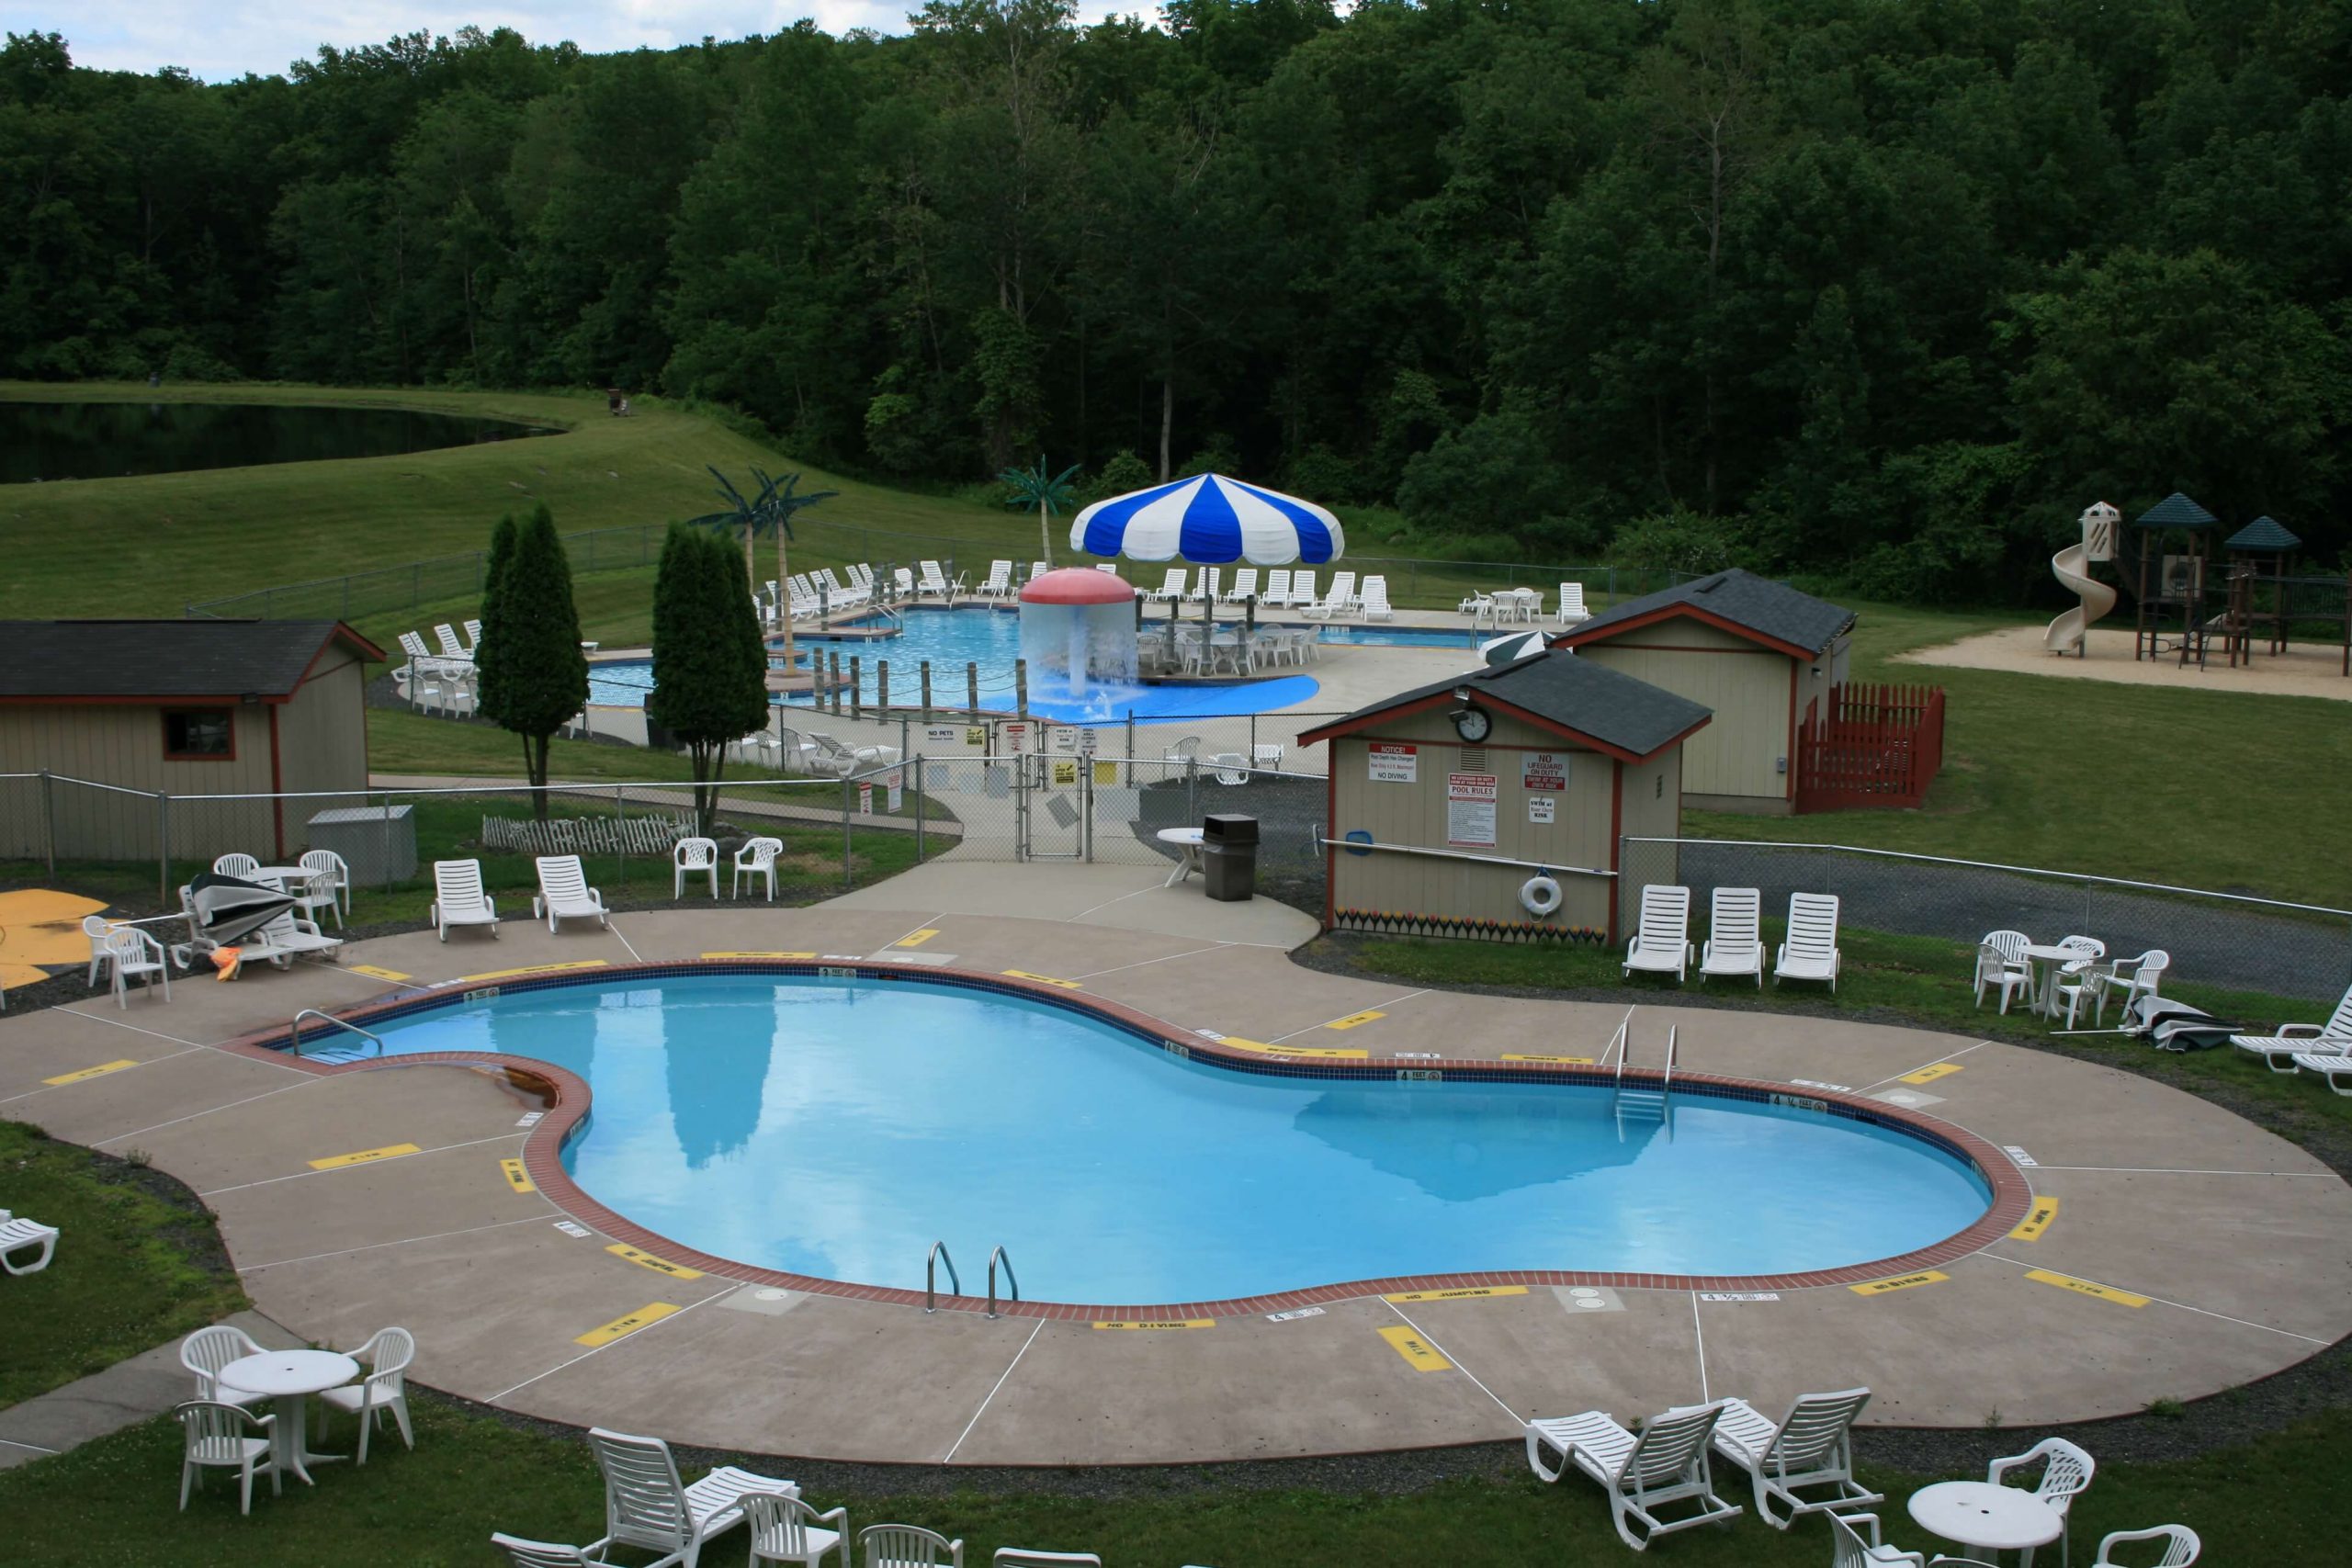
x: 114, y: 660
x: 1555, y: 690
x: 2176, y: 510
x: 1737, y: 601
x: 2264, y: 535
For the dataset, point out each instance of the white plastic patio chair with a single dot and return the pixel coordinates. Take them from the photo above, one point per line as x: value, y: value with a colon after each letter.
x: 786, y: 1529
x: 2132, y: 979
x: 2294, y: 1039
x: 755, y: 859
x: 645, y: 1506
x: 907, y: 1546
x: 243, y: 866
x: 1572, y: 610
x: 2182, y: 1547
x: 564, y: 893
x: 692, y: 857
x: 227, y: 1436
x: 1302, y: 590
x: 1813, y: 1447
x: 385, y: 1387
x: 796, y: 750
x: 1019, y: 1557
x: 1661, y: 944
x: 1374, y: 600
x: 333, y: 864
x: 131, y: 952
x: 2066, y: 1472
x: 207, y: 1350
x: 22, y: 1235
x: 1810, y: 951
x: 1230, y: 767
x: 1854, y: 1543
x: 1734, y: 944
x: 95, y: 928
x: 1244, y: 589
x: 458, y: 897
x: 2001, y: 960
x: 1666, y: 1464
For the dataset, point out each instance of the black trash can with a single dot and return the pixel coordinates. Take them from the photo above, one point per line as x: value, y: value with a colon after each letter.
x: 1229, y: 856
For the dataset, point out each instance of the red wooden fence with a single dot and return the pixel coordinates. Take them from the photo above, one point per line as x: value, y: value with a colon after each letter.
x: 1869, y: 745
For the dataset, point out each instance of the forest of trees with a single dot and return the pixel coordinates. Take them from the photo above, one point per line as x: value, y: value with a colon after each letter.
x: 1880, y: 289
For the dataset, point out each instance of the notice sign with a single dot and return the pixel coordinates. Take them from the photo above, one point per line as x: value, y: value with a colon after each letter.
x: 1539, y: 808
x: 1016, y: 737
x: 1543, y: 772
x: 976, y: 735
x: 1392, y: 763
x: 895, y: 781
x: 1470, y: 809
x: 1086, y: 742
x: 1065, y: 741
x: 1064, y: 773
x: 943, y: 735
x: 866, y: 799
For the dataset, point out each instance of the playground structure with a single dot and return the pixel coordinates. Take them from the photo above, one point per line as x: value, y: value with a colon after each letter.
x: 2098, y: 544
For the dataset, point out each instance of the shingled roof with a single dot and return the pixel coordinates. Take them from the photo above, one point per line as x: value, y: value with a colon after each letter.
x: 166, y: 660
x: 1738, y: 601
x: 2176, y: 510
x: 1555, y: 690
x: 2264, y: 535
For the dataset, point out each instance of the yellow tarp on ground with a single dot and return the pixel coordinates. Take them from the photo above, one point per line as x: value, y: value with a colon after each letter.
x: 40, y: 926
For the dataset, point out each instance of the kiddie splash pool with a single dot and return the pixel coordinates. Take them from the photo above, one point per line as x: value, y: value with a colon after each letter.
x: 835, y: 1127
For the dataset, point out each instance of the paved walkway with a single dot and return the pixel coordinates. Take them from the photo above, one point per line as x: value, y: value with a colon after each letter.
x: 123, y: 1395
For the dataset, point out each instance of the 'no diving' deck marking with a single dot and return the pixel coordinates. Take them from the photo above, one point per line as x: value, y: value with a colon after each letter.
x: 1900, y: 1282
x: 1562, y: 1061
x: 529, y: 969
x: 1045, y: 979
x: 659, y: 1265
x: 622, y: 1327
x: 101, y: 1070
x: 1460, y: 1293
x: 516, y: 1177
x: 916, y: 939
x: 1418, y: 1355
x: 1150, y: 1323
x: 374, y: 972
x: 2037, y: 1219
x: 1260, y: 1048
x: 1929, y: 1075
x: 800, y: 957
x: 2086, y: 1287
x: 1355, y: 1020
x: 365, y: 1156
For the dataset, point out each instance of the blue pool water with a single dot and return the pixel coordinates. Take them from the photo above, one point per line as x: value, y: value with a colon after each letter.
x: 838, y: 1128
x: 1409, y: 636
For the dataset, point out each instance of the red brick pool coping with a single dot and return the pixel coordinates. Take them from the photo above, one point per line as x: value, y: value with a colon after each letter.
x: 543, y: 1148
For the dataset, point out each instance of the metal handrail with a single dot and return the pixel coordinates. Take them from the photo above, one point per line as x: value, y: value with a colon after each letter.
x: 1008, y: 1277
x: 294, y: 1033
x: 930, y: 1275
x: 1666, y: 1085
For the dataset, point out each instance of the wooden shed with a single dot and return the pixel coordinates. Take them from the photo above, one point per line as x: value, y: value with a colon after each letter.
x: 193, y: 707
x: 1452, y: 796
x: 1757, y: 653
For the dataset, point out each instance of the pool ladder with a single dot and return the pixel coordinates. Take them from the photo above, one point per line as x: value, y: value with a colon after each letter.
x: 939, y: 1254
x: 1638, y: 1102
x: 344, y: 1054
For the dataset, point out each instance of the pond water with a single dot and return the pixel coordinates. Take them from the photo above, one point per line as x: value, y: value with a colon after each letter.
x: 90, y: 441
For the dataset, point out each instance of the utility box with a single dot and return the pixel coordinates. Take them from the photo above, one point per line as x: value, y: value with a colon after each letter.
x: 377, y: 843
x: 1229, y: 856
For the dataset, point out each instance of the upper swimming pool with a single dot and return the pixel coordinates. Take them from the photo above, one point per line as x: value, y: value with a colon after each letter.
x: 837, y: 1128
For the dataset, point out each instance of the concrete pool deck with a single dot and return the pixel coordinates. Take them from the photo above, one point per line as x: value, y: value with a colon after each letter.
x: 2235, y: 1245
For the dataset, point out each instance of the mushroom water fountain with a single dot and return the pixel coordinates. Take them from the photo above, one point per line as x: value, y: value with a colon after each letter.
x: 1078, y: 636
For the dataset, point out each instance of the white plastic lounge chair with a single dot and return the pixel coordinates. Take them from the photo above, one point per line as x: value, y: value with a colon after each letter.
x: 2334, y: 1035
x: 786, y: 1529
x: 1662, y: 943
x: 229, y: 1436
x: 2001, y: 960
x: 1039, y: 568
x: 1854, y: 1543
x: 1810, y: 951
x: 1479, y: 607
x: 2334, y: 1066
x: 289, y: 937
x: 1572, y: 610
x: 1813, y: 1446
x: 907, y: 1546
x: 2182, y: 1547
x: 242, y: 866
x: 1171, y: 589
x: 2066, y: 1472
x: 1735, y: 940
x: 22, y: 1235
x: 756, y: 858
x: 385, y: 1387
x: 473, y: 637
x: 1302, y: 590
x: 1018, y: 1557
x: 1667, y: 1465
x: 207, y: 1350
x: 1374, y: 600
x: 1110, y: 567
x: 1277, y: 591
x: 645, y: 1506
x: 694, y: 857
x: 1244, y: 589
x: 131, y: 951
x: 841, y: 761
x: 451, y: 648
x: 1338, y: 600
x: 458, y: 897
x: 999, y: 582
x: 2129, y: 980
x: 333, y: 865
x: 543, y: 1554
x: 418, y: 655
x: 564, y: 893
x: 934, y: 584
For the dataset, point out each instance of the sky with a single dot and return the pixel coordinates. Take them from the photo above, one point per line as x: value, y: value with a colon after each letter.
x: 222, y: 38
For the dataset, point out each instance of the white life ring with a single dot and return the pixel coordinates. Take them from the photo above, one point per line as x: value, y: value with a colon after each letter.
x: 1539, y: 896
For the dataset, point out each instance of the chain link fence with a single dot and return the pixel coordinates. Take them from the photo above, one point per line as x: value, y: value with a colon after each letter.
x: 2224, y: 940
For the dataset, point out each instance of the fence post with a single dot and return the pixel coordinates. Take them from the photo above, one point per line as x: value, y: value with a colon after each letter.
x: 926, y: 690
x: 1021, y: 687
x: 384, y: 836
x: 972, y: 688
x: 919, y: 803
x: 48, y: 818
x: 620, y: 828
x: 1131, y: 747
x: 162, y: 850
x: 882, y: 689
x: 856, y: 690
x: 849, y: 806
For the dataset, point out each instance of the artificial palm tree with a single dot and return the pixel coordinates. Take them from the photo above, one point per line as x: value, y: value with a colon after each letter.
x: 1031, y: 488
x: 770, y: 512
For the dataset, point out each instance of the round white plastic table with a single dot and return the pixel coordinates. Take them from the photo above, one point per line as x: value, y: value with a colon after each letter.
x: 290, y: 1377
x: 1979, y: 1514
x: 1189, y: 840
x: 2048, y: 961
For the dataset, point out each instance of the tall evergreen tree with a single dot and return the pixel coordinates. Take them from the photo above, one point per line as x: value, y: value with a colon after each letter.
x: 709, y: 662
x: 541, y: 675
x: 490, y: 660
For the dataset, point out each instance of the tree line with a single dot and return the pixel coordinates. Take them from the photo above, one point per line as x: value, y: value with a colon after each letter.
x: 1882, y: 291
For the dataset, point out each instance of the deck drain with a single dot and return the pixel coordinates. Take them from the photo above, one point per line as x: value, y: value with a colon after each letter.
x: 1581, y: 1299
x: 1910, y: 1099
x: 767, y: 1301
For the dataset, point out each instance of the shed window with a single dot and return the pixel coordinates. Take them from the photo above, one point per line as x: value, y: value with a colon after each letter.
x: 202, y: 734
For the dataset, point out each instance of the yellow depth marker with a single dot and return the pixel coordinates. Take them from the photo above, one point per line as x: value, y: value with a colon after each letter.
x: 1132, y: 1323
x: 1569, y: 1061
x: 659, y: 1265
x: 2086, y: 1287
x: 529, y: 969
x: 1900, y: 1282
x: 370, y: 970
x: 622, y: 1327
x: 516, y: 1177
x: 789, y: 955
x: 915, y: 939
x: 1460, y: 1294
x: 1044, y: 979
x: 1355, y: 1018
x: 1929, y: 1075
x: 101, y: 1070
x: 2036, y: 1220
x: 1416, y: 1350
x: 365, y: 1156
x: 1263, y: 1049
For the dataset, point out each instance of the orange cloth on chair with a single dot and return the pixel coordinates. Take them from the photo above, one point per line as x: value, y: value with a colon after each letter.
x: 228, y: 960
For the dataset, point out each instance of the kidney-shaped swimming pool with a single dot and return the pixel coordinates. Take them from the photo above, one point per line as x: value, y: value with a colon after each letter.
x: 837, y: 1127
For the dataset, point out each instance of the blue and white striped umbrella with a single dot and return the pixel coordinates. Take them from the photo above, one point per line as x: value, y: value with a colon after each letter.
x: 1209, y: 519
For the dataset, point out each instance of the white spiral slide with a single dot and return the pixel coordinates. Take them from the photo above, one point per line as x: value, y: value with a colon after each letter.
x: 2071, y: 568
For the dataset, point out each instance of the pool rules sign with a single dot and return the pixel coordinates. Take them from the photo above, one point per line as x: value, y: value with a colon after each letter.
x: 1470, y: 809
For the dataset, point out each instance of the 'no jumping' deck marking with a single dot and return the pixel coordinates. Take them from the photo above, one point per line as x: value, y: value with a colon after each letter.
x: 799, y: 957
x: 1157, y: 1323
x: 2037, y: 1219
x: 1900, y: 1282
x: 1044, y: 979
x: 529, y: 969
x: 2086, y: 1287
x: 365, y: 1156
x: 1460, y: 1293
x: 1260, y: 1048
x: 372, y: 972
x: 647, y: 1260
x: 1562, y: 1061
x: 516, y: 1177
